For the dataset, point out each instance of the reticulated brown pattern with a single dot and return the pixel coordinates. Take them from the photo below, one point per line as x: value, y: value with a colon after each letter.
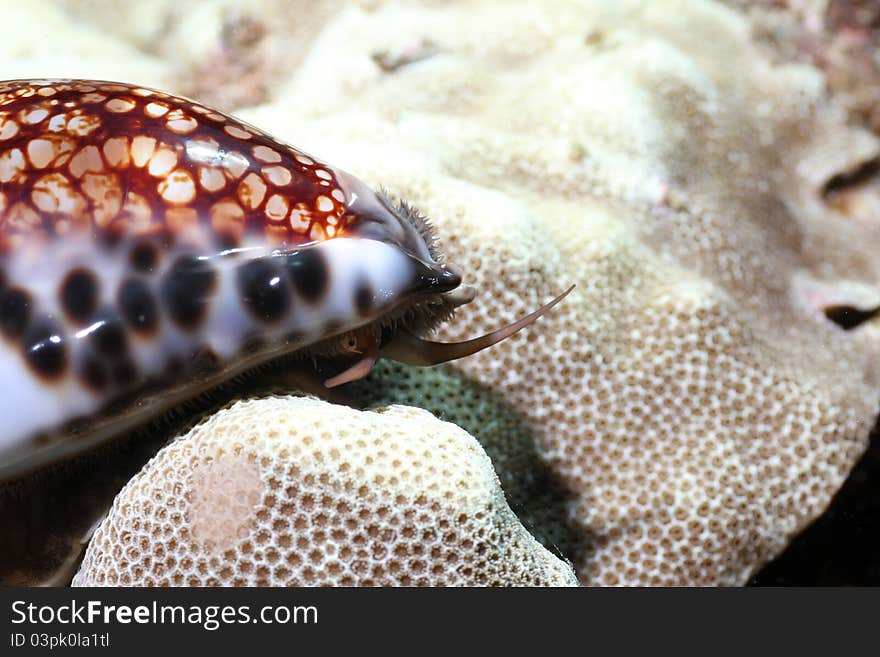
x: 120, y: 160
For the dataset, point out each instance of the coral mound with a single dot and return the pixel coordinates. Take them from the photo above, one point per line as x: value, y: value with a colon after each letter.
x: 295, y: 491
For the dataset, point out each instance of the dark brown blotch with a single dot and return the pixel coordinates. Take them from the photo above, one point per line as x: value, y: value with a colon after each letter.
x: 79, y: 295
x: 94, y: 375
x: 264, y: 290
x: 364, y: 298
x: 15, y: 312
x: 44, y: 348
x: 186, y: 291
x: 108, y: 337
x: 309, y: 272
x: 137, y: 306
x: 125, y: 373
x: 144, y: 257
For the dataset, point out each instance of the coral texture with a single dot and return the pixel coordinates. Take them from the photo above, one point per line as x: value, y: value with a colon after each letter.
x: 690, y: 406
x: 693, y: 403
x: 296, y: 491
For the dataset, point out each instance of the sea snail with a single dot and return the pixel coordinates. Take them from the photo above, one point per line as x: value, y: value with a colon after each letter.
x: 152, y: 247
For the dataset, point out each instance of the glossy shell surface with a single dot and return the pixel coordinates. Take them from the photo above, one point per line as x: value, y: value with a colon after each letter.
x: 151, y: 246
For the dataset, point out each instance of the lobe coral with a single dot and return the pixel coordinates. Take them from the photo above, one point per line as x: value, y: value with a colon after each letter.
x: 295, y: 491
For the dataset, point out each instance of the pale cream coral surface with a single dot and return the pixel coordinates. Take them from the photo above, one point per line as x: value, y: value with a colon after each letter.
x: 296, y: 491
x: 689, y: 408
x: 690, y: 396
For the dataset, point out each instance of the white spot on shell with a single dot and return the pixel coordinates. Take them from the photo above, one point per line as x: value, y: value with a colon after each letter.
x: 204, y: 150
x: 8, y: 128
x: 40, y: 152
x: 155, y: 110
x: 178, y: 187
x: 162, y: 162
x: 88, y: 159
x: 142, y: 149
x: 180, y: 123
x: 137, y: 211
x: 235, y: 164
x: 277, y: 207
x: 116, y: 151
x: 57, y: 123
x: 266, y: 154
x: 120, y: 105
x: 92, y: 98
x: 300, y: 219
x: 11, y: 164
x: 34, y: 116
x: 211, y: 179
x: 277, y: 175
x: 54, y: 193
x: 235, y: 131
x: 82, y: 126
x: 251, y: 191
x: 323, y: 204
x: 106, y: 196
